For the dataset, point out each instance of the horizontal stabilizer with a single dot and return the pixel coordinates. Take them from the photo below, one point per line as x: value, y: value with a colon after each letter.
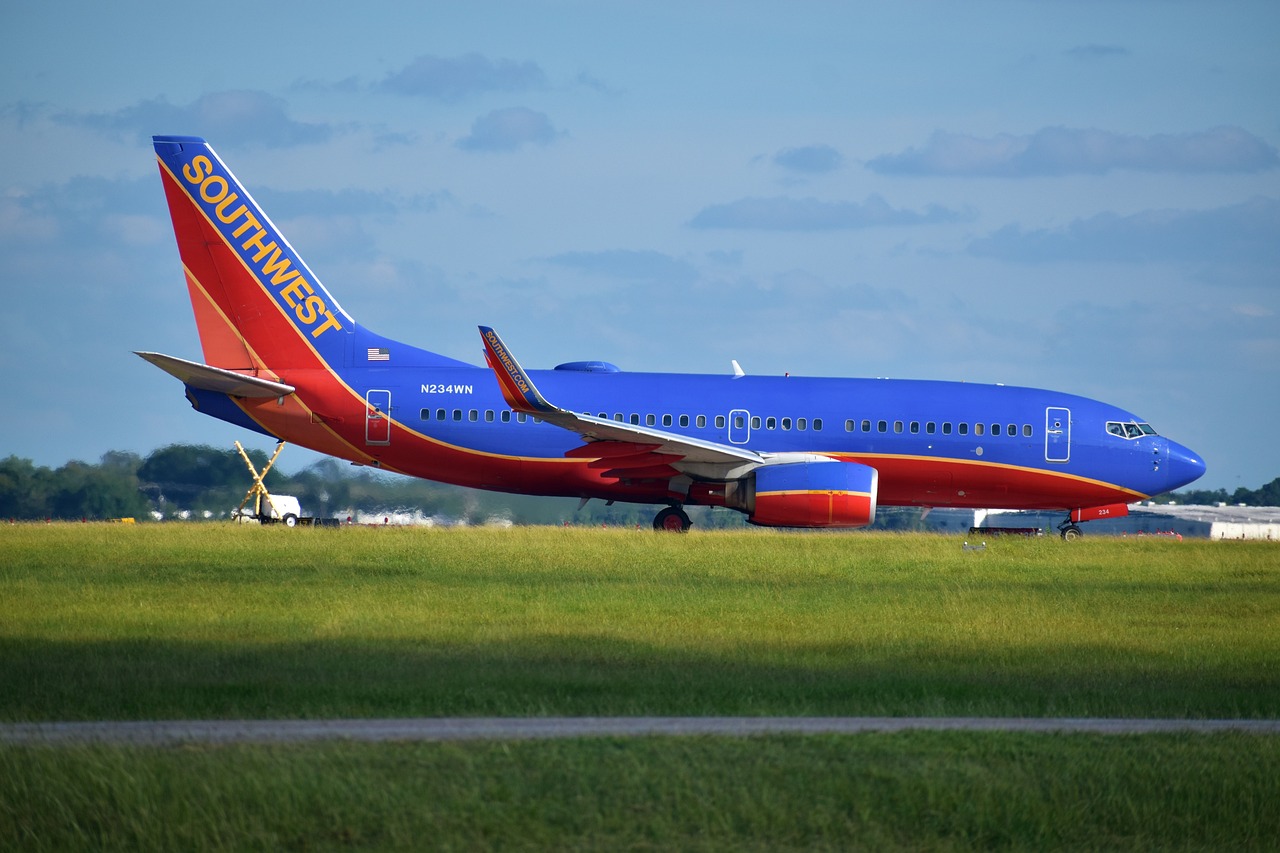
x: 216, y: 378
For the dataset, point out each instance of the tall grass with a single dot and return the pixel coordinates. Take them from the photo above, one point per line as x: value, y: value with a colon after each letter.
x: 103, y: 622
x: 100, y: 622
x: 913, y: 791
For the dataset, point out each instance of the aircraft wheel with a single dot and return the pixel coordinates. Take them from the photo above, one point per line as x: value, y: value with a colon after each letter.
x: 290, y: 520
x: 1071, y: 533
x: 672, y: 520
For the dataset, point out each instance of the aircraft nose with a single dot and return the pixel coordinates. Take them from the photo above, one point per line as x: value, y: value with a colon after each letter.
x: 1184, y: 466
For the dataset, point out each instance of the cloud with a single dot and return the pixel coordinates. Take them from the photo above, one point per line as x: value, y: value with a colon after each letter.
x: 82, y: 239
x: 1097, y: 51
x: 629, y: 265
x: 809, y: 214
x: 460, y: 77
x: 595, y: 84
x: 1068, y: 151
x: 811, y: 159
x: 239, y: 117
x: 802, y: 288
x: 79, y: 210
x: 345, y: 202
x: 507, y: 130
x: 1238, y: 234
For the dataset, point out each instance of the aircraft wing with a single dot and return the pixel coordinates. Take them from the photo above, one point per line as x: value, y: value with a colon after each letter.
x: 216, y: 378
x: 521, y: 394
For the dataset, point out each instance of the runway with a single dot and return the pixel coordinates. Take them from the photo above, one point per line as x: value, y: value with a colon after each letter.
x: 172, y: 732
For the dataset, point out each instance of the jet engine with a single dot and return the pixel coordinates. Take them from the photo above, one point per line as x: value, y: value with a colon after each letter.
x: 807, y: 494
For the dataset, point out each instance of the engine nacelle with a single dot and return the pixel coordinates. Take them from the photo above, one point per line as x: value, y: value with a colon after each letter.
x: 808, y: 494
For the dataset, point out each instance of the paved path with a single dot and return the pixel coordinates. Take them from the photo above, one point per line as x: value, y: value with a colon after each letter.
x: 163, y: 732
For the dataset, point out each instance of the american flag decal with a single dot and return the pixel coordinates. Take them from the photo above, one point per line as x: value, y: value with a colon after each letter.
x: 379, y: 354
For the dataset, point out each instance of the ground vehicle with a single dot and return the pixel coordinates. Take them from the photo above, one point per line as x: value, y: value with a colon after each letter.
x: 267, y: 508
x: 280, y: 509
x: 272, y: 509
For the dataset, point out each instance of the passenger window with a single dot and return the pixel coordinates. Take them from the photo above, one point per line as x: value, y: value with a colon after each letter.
x: 755, y: 422
x: 440, y: 414
x: 977, y: 429
x: 473, y: 415
x: 650, y: 420
x: 635, y: 419
x: 930, y: 427
x: 995, y: 429
x: 817, y: 423
x: 962, y: 429
x: 802, y: 424
x: 521, y: 417
x: 739, y: 421
x: 506, y: 416
x: 457, y: 414
x: 617, y: 416
x: 786, y: 423
x: 701, y: 421
x: 770, y: 423
x: 915, y: 427
x: 666, y: 420
x: 882, y: 426
x: 1026, y: 430
x: 488, y: 415
x: 720, y: 422
x: 866, y: 426
x: 684, y: 420
x: 848, y: 426
x: 946, y: 427
x: 897, y: 426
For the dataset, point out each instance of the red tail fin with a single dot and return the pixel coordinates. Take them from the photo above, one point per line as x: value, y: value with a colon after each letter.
x: 257, y: 305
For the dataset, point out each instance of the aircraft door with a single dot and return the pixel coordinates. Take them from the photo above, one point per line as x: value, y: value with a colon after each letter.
x: 1057, y: 434
x: 739, y: 426
x: 377, y: 418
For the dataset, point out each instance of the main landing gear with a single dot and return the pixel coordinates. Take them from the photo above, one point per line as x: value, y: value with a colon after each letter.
x: 673, y: 519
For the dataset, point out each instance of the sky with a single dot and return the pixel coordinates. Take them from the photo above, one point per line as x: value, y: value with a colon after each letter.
x: 1082, y: 196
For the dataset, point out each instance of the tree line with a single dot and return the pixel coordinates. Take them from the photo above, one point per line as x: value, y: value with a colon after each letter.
x: 185, y: 481
x: 200, y: 481
x: 1268, y: 495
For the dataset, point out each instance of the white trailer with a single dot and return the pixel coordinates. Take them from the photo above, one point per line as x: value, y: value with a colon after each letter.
x: 272, y: 509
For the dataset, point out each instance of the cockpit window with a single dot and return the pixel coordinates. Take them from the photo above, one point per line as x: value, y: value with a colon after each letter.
x: 1129, y: 429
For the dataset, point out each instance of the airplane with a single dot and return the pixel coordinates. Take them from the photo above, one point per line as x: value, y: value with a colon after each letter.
x: 282, y: 358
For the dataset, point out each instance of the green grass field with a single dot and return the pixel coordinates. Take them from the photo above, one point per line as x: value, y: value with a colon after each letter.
x: 196, y: 621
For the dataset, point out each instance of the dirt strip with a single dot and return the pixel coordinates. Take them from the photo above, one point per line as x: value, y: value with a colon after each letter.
x: 169, y: 732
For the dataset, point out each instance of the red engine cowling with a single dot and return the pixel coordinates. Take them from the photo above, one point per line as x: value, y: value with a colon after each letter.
x: 809, y: 494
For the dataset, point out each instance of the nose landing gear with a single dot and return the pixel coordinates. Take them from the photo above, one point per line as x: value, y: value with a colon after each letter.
x: 1069, y: 531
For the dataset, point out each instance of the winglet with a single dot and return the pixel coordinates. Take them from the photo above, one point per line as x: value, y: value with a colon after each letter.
x: 517, y: 388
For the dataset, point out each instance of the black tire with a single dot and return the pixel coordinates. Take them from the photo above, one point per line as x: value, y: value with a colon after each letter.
x: 290, y: 520
x: 1071, y: 533
x: 672, y: 520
